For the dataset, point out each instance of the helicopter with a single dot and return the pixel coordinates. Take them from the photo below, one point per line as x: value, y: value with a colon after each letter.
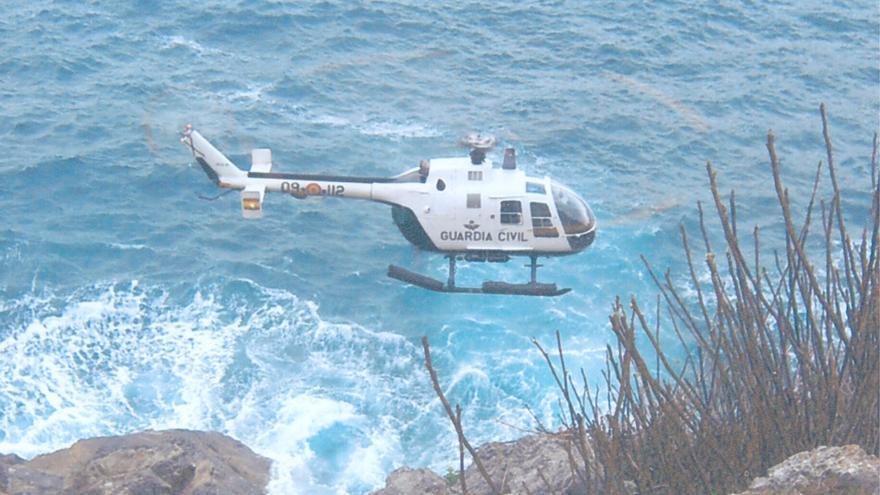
x: 464, y: 207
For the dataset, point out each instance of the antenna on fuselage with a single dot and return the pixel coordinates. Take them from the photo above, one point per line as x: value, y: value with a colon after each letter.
x: 509, y: 159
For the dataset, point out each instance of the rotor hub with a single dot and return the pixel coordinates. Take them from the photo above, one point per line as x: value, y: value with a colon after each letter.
x: 477, y: 141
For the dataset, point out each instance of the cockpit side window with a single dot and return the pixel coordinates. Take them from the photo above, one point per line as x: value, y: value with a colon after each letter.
x: 542, y: 221
x: 534, y: 187
x: 511, y: 212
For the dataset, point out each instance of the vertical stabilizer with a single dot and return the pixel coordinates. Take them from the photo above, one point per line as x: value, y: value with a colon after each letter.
x: 219, y: 169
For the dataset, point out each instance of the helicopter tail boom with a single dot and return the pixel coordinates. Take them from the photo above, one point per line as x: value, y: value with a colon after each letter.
x: 217, y: 167
x: 260, y: 179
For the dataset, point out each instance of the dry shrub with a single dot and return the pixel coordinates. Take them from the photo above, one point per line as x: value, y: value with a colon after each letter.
x: 780, y: 357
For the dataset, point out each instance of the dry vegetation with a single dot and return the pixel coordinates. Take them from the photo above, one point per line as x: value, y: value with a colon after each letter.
x: 780, y: 356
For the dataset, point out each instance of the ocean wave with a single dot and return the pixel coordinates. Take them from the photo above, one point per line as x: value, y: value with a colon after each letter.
x: 265, y: 369
x: 335, y: 405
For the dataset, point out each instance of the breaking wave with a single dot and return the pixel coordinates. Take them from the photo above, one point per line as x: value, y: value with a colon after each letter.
x: 326, y: 401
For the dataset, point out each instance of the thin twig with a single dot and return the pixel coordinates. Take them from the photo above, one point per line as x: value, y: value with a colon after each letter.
x: 452, y: 417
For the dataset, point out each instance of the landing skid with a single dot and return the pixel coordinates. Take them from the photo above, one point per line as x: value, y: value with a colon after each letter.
x: 532, y: 288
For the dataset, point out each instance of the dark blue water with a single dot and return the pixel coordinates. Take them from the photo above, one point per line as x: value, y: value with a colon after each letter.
x: 128, y: 303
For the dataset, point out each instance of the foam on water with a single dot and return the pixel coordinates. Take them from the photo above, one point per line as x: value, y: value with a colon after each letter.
x: 124, y: 357
x: 123, y: 246
x: 334, y: 405
x: 398, y: 130
x: 330, y: 120
x: 182, y: 41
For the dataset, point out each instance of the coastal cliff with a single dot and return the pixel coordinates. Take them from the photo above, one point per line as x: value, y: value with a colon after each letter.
x: 182, y: 462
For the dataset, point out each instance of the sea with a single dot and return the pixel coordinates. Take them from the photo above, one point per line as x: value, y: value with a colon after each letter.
x: 132, y: 297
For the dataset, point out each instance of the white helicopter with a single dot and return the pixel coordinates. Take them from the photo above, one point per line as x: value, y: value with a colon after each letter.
x: 464, y: 207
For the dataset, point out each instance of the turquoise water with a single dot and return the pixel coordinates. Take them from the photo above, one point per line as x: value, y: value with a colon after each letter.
x: 128, y: 303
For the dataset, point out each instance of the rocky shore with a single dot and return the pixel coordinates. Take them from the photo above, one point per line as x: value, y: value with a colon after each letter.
x: 169, y: 462
x: 182, y: 462
x: 539, y: 464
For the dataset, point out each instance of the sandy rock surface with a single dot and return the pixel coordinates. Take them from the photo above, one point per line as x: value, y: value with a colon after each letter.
x: 823, y: 470
x: 533, y: 464
x: 178, y: 462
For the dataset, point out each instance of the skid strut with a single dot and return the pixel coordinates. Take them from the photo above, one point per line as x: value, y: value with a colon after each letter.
x: 534, y: 266
x: 532, y: 288
x: 451, y: 280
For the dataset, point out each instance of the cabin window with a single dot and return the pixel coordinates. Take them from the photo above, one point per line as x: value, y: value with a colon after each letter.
x: 475, y: 175
x: 511, y: 212
x: 542, y: 221
x: 534, y: 187
x: 441, y: 185
x: 473, y: 200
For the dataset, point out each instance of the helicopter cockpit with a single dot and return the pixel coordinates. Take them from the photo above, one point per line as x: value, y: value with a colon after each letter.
x: 575, y: 216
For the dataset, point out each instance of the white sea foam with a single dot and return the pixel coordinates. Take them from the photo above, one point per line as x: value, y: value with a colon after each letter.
x: 379, y: 128
x: 251, y: 93
x: 369, y: 462
x: 176, y: 41
x: 398, y: 129
x: 266, y: 370
x: 126, y: 247
x: 336, y: 406
x: 469, y: 371
x: 558, y: 314
x: 330, y: 120
x: 299, y: 419
x: 13, y: 252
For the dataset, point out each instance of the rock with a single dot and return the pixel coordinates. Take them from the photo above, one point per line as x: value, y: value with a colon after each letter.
x: 5, y: 462
x: 10, y: 459
x: 172, y: 462
x: 406, y: 481
x: 536, y: 463
x: 823, y: 470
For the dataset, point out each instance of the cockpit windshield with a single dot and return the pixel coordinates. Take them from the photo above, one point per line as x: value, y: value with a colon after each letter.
x: 574, y: 213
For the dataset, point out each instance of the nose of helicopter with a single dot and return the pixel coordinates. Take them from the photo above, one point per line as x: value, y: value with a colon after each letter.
x: 576, y: 217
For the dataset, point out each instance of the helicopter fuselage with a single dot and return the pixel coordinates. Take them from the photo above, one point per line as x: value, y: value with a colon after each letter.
x: 463, y: 205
